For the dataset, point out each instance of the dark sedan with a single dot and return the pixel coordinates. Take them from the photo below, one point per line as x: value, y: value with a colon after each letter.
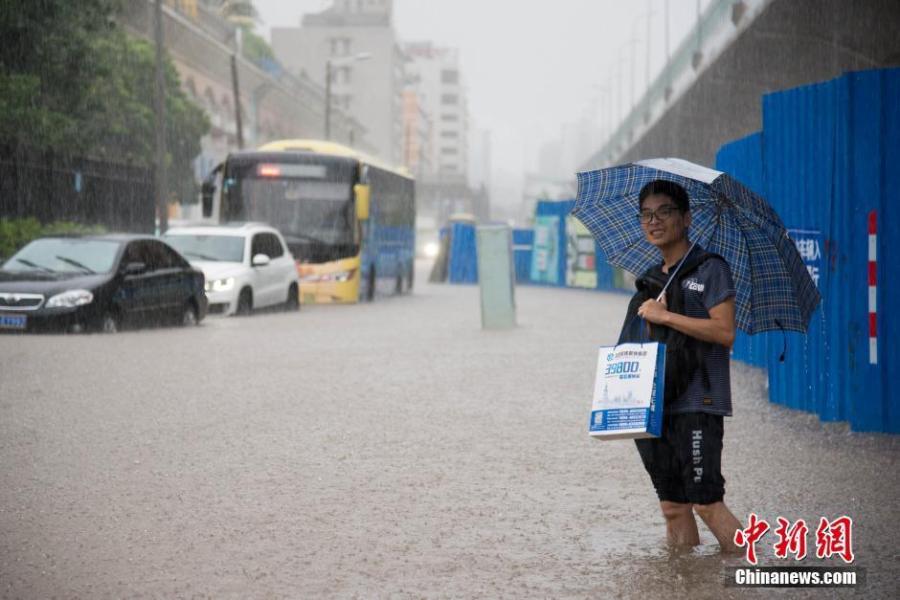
x: 98, y: 283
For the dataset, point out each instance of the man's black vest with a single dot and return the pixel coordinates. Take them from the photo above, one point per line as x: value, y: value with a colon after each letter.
x: 684, y: 354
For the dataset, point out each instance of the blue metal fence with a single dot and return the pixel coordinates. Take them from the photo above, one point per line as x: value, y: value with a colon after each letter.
x: 523, y: 241
x: 463, y: 262
x: 824, y: 160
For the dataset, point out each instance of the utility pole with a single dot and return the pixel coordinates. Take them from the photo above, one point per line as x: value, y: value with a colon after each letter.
x: 667, y: 67
x: 619, y: 105
x: 647, y: 57
x: 631, y: 47
x: 328, y: 99
x: 698, y: 53
x: 236, y: 90
x: 162, y: 184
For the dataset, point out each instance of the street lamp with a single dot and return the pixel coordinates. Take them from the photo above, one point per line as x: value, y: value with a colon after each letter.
x: 329, y: 68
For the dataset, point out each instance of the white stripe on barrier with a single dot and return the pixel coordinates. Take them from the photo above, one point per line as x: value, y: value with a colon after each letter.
x: 873, y: 351
x: 873, y: 296
x: 873, y: 246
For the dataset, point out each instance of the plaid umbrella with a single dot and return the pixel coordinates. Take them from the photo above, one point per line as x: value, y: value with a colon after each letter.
x: 774, y: 289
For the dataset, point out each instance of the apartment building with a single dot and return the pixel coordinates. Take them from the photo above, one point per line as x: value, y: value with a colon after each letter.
x: 357, y: 38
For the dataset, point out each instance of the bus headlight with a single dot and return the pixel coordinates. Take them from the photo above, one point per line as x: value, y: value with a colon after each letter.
x: 220, y: 285
x: 343, y: 276
x: 338, y: 277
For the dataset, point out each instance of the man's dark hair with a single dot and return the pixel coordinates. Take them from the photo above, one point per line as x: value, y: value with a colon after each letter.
x: 678, y: 194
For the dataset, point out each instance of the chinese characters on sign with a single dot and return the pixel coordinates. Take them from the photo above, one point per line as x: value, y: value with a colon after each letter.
x: 833, y: 538
x: 809, y: 245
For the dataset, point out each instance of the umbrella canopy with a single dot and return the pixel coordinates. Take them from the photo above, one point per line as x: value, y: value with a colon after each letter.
x: 774, y: 289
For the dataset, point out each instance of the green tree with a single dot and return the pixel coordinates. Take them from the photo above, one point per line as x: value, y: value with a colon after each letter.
x: 45, y: 47
x: 256, y: 49
x: 121, y: 122
x: 72, y: 80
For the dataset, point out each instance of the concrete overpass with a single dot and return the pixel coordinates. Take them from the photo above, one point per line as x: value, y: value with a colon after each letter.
x: 711, y: 94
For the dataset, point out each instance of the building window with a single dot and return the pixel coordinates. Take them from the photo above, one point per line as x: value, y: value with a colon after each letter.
x: 449, y: 151
x: 449, y: 134
x: 450, y: 76
x: 449, y: 98
x: 449, y: 118
x: 339, y: 46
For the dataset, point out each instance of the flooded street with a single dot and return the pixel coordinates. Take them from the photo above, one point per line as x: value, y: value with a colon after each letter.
x: 384, y: 450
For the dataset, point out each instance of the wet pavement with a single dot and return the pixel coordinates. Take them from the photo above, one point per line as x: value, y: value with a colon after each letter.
x: 385, y: 450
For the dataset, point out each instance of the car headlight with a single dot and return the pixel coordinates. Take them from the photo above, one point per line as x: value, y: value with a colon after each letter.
x: 220, y: 285
x: 432, y: 249
x: 70, y: 299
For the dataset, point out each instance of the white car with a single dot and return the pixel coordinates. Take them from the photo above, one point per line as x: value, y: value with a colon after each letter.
x: 247, y: 266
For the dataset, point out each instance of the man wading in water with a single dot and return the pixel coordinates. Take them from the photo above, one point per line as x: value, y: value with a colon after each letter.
x: 695, y: 319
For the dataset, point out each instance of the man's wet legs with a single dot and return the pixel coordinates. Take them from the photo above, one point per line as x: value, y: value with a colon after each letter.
x: 721, y: 522
x: 681, y: 527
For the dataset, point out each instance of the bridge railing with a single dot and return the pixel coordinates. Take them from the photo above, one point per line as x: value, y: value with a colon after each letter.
x: 719, y: 24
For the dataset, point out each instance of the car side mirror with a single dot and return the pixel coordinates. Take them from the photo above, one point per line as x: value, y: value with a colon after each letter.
x: 260, y: 260
x: 135, y: 268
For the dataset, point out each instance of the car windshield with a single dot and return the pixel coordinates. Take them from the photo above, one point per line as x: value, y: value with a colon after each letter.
x: 218, y: 248
x: 65, y: 255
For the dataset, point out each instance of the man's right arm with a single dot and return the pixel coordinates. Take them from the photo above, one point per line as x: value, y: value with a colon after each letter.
x: 719, y: 328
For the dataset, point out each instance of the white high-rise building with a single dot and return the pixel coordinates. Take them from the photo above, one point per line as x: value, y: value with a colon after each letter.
x: 435, y: 76
x: 371, y: 89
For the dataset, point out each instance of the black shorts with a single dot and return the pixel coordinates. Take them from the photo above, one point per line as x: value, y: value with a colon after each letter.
x: 685, y: 464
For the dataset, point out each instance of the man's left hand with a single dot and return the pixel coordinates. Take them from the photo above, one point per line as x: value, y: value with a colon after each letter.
x: 653, y: 311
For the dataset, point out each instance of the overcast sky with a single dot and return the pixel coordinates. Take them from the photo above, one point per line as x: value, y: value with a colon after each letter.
x: 530, y: 66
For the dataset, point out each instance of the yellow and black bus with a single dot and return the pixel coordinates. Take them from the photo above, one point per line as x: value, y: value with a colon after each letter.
x: 348, y: 219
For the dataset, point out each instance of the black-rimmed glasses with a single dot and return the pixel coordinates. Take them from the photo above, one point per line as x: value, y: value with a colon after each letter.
x: 662, y: 213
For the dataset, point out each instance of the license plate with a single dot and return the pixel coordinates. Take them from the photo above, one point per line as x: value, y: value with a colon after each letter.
x: 13, y: 321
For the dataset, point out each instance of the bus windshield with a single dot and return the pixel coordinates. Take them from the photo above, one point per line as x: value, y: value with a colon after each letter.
x: 309, y: 202
x: 315, y: 211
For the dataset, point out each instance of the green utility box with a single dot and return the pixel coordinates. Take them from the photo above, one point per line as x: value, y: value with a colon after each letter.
x: 496, y: 276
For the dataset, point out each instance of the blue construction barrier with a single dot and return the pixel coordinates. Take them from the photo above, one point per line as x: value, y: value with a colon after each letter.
x: 523, y: 242
x: 463, y: 262
x: 606, y: 273
x: 548, y: 259
x: 825, y: 161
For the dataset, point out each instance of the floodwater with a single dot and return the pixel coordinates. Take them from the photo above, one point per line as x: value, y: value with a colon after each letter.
x: 385, y: 450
